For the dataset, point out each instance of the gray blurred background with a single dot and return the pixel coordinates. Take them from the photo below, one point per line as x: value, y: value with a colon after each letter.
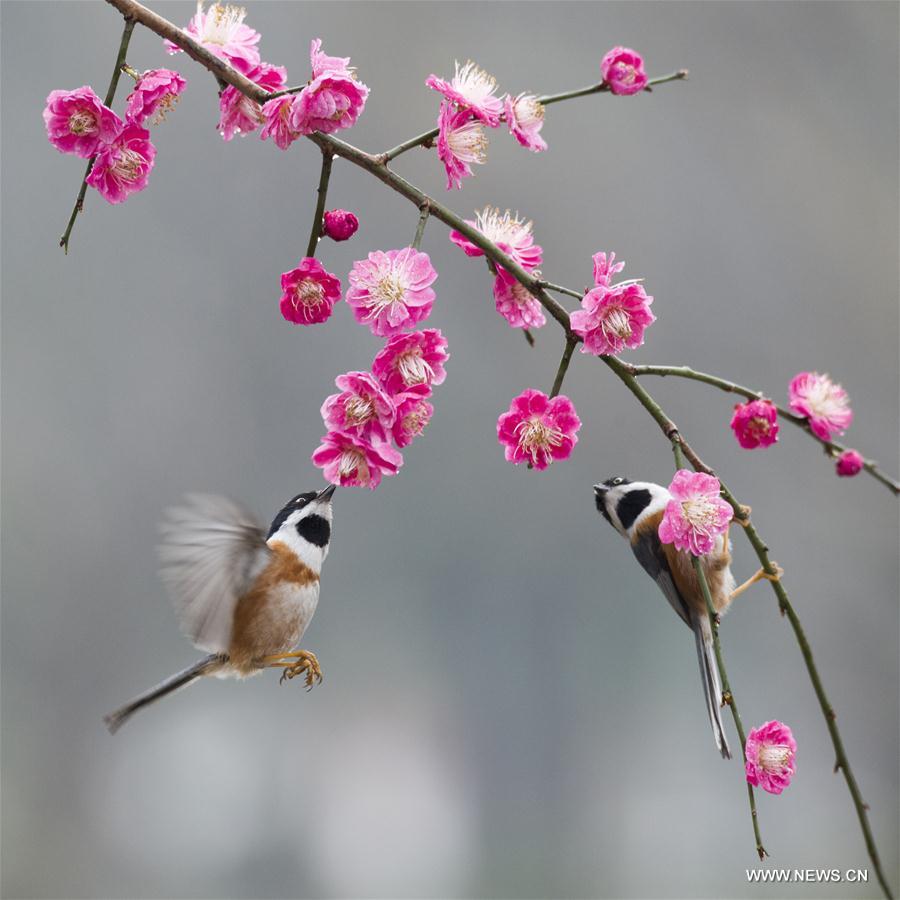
x: 510, y: 708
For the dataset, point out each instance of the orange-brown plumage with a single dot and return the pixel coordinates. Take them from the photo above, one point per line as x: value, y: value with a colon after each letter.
x: 267, y: 618
x: 715, y: 567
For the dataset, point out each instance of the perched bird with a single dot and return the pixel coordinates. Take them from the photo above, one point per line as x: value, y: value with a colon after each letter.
x: 635, y: 509
x: 243, y: 595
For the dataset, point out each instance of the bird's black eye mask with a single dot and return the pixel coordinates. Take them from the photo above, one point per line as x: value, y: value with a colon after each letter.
x: 314, y: 529
x: 291, y: 506
x: 631, y: 506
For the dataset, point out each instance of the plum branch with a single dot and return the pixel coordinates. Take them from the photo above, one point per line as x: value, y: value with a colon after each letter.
x: 831, y: 448
x: 377, y: 165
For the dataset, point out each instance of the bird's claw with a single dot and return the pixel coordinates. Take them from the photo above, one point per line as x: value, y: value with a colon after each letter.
x: 308, y: 666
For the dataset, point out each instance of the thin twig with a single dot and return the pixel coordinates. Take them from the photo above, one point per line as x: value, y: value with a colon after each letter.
x: 603, y: 88
x: 560, y: 289
x: 110, y: 95
x: 424, y: 213
x: 421, y: 140
x: 322, y: 193
x: 563, y: 366
x: 831, y: 448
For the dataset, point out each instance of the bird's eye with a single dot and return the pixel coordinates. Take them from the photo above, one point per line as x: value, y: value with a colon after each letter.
x: 617, y: 481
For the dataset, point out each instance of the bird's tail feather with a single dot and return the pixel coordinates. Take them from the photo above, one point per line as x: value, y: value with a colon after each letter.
x: 712, y: 684
x: 205, y: 666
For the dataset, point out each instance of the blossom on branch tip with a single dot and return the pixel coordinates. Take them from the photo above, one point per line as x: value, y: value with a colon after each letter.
x: 770, y: 751
x: 363, y: 408
x: 613, y: 318
x: 238, y: 114
x: 825, y: 404
x: 510, y: 233
x: 849, y: 463
x: 516, y: 304
x: 471, y: 88
x: 696, y: 515
x: 623, y: 70
x: 413, y: 414
x: 412, y: 359
x: 308, y: 293
x: 755, y: 424
x: 354, y: 462
x: 221, y: 30
x: 461, y: 143
x: 332, y: 100
x: 78, y: 122
x: 339, y: 224
x: 390, y: 291
x: 154, y: 94
x: 276, y: 116
x: 525, y: 118
x: 123, y: 167
x: 538, y: 429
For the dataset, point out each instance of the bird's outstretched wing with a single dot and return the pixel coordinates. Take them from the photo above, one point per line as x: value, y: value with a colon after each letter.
x: 211, y: 551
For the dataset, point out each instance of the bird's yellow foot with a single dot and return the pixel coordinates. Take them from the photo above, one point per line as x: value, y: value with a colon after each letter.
x: 762, y: 573
x: 300, y: 662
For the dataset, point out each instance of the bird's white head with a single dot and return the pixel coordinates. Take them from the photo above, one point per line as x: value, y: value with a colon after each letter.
x: 624, y: 504
x: 304, y: 525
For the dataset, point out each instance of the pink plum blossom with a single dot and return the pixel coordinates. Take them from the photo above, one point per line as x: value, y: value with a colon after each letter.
x: 238, y: 114
x: 412, y: 359
x: 623, y: 70
x: 362, y: 408
x: 538, y: 429
x: 510, y: 233
x: 308, y: 293
x: 824, y: 403
x: 413, y: 414
x: 221, y: 30
x: 472, y: 89
x: 613, y: 318
x: 123, y: 167
x: 605, y: 267
x: 849, y: 463
x: 154, y: 94
x: 339, y: 224
x: 390, y: 291
x: 517, y: 305
x: 332, y: 100
x: 78, y: 122
x: 755, y: 424
x: 696, y: 515
x: 461, y: 143
x: 770, y: 751
x: 525, y: 118
x: 354, y: 462
x: 276, y: 116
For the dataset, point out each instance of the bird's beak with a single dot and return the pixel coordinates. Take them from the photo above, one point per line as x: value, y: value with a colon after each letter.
x: 326, y: 494
x: 600, y: 490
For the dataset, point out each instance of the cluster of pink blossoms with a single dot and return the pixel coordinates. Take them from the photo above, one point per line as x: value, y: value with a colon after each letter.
x: 379, y: 411
x: 78, y: 122
x: 513, y: 236
x: 825, y: 406
x: 470, y: 104
x: 332, y: 99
